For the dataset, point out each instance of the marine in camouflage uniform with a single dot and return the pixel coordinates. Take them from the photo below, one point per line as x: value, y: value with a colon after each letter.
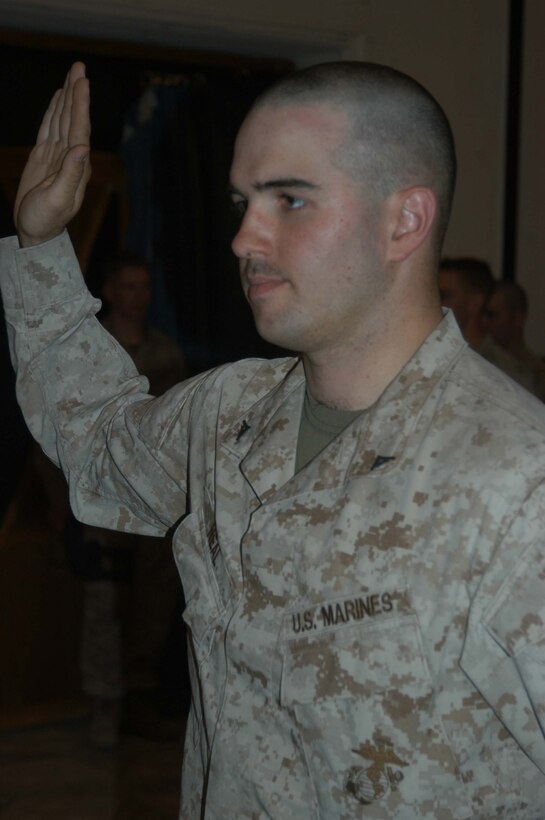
x: 367, y: 633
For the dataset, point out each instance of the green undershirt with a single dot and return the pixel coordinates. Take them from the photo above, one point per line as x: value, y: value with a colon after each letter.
x: 319, y: 426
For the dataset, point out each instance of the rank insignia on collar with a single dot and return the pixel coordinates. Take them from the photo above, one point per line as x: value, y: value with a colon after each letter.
x: 244, y: 427
x: 380, y: 460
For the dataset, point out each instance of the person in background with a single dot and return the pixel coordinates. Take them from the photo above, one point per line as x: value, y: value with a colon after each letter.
x: 465, y: 283
x: 131, y: 587
x: 127, y: 291
x: 505, y: 316
x: 465, y: 286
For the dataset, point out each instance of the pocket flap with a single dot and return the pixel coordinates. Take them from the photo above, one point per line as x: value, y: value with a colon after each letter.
x: 354, y: 660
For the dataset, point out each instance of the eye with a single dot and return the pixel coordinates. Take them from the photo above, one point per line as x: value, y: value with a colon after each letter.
x: 238, y: 206
x: 292, y: 203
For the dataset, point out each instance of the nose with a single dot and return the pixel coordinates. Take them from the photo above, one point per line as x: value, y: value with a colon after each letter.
x: 254, y: 237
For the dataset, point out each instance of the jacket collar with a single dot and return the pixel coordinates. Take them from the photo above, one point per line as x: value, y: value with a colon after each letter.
x: 264, y: 440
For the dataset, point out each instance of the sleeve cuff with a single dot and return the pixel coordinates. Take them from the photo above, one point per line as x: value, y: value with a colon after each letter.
x: 41, y: 275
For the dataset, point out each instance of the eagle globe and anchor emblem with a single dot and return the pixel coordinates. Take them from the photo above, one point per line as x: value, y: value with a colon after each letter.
x: 372, y: 782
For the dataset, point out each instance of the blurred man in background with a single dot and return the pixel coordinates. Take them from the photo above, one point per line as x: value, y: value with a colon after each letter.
x: 505, y: 316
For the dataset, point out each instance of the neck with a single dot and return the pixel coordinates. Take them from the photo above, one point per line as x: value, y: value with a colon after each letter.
x: 353, y: 376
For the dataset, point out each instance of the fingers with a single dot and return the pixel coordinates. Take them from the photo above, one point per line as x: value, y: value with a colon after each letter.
x: 43, y: 133
x: 54, y: 179
x: 74, y: 79
x: 72, y: 177
x: 79, y: 132
x: 67, y: 116
x: 65, y: 109
x: 53, y: 135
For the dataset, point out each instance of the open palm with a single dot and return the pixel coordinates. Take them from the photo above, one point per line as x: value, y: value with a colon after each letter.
x: 54, y: 179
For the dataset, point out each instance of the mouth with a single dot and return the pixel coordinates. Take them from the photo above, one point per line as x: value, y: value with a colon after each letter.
x: 260, y: 280
x: 261, y: 286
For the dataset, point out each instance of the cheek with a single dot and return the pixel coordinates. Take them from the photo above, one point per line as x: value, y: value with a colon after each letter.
x: 325, y: 237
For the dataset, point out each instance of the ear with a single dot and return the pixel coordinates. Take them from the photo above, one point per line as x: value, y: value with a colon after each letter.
x: 412, y: 215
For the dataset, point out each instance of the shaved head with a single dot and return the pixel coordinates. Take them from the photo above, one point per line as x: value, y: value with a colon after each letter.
x: 399, y: 135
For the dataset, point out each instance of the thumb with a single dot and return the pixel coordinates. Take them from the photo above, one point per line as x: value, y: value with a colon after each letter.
x: 45, y: 210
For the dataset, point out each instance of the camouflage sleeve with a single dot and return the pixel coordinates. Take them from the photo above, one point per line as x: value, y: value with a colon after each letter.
x: 81, y: 395
x: 504, y: 652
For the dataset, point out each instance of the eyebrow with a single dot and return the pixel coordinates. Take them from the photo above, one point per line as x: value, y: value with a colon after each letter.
x: 285, y: 182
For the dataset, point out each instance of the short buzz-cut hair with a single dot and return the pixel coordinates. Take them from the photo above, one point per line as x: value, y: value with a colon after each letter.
x: 399, y: 137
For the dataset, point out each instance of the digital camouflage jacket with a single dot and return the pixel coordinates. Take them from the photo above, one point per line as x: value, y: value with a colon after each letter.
x: 367, y: 637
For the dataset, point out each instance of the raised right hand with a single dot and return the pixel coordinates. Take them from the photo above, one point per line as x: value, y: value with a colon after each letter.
x: 54, y: 179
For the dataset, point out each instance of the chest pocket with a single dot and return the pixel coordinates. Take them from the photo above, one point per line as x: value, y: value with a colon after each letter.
x: 363, y: 702
x: 207, y: 586
x: 353, y: 661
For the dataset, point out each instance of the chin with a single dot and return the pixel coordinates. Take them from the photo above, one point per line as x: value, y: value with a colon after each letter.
x: 280, y: 337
